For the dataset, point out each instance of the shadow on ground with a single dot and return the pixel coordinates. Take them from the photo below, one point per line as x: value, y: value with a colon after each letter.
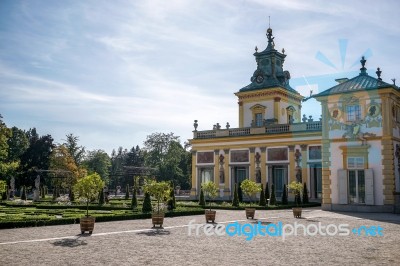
x: 70, y: 242
x: 155, y: 232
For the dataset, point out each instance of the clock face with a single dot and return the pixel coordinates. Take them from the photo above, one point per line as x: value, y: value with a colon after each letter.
x: 259, y: 79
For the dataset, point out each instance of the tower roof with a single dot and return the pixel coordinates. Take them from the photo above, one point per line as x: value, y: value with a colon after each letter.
x: 269, y: 72
x: 361, y: 82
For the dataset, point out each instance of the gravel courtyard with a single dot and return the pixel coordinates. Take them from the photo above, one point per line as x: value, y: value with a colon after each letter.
x: 133, y: 243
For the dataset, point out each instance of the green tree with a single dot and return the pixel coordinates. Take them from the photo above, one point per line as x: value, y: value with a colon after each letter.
x: 262, y: 201
x: 98, y: 161
x: 296, y: 188
x: 164, y: 152
x: 272, y: 200
x: 210, y: 190
x: 66, y: 170
x: 284, y: 196
x: 3, y: 187
x: 250, y: 188
x: 77, y: 152
x: 235, y: 201
x: 88, y: 187
x: 159, y: 190
x: 147, y: 203
x: 8, y: 165
x: 37, y: 156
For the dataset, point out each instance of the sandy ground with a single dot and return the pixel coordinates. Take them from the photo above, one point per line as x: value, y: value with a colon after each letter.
x: 134, y: 243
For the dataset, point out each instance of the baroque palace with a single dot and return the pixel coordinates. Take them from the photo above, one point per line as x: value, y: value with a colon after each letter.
x: 349, y: 159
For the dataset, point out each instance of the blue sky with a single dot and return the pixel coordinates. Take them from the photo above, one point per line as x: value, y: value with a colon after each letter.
x: 113, y: 72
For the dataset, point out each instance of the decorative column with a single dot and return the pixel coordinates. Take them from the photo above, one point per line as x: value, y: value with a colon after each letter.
x: 193, y: 191
x: 216, y: 168
x: 292, y: 166
x: 299, y: 173
x: 304, y: 167
x: 252, y: 165
x: 263, y: 160
x: 326, y: 159
x: 277, y: 106
x: 241, y: 114
x: 227, y: 190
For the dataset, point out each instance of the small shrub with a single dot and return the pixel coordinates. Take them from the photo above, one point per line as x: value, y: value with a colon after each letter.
x: 284, y: 196
x: 127, y: 191
x: 147, y: 203
x: 305, y: 193
x: 272, y: 199
x: 267, y: 195
x: 134, y: 199
x: 202, y: 201
x: 262, y: 201
x: 101, y: 197
x: 235, y: 201
x: 240, y: 193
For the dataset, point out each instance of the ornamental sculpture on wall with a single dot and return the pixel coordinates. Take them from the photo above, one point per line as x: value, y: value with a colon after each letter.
x: 221, y: 169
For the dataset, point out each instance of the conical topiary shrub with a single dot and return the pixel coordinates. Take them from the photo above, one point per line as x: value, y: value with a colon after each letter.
x: 267, y: 195
x: 284, y: 196
x: 202, y: 201
x: 147, y: 203
x: 134, y: 199
x: 23, y: 193
x: 235, y: 201
x: 71, y: 195
x: 305, y: 193
x: 272, y: 199
x: 240, y: 193
x: 101, y: 197
x: 262, y: 201
x: 171, y: 201
x: 127, y: 191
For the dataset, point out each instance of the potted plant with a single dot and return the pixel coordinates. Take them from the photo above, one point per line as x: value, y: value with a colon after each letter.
x: 87, y: 189
x: 210, y: 191
x: 250, y: 188
x: 160, y: 191
x: 296, y: 188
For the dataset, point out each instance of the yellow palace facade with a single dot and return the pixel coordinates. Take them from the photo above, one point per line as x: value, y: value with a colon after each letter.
x: 349, y: 158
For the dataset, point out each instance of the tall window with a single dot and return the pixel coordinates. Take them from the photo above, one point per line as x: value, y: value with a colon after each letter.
x: 259, y: 119
x: 353, y: 113
x: 356, y: 176
x: 206, y: 174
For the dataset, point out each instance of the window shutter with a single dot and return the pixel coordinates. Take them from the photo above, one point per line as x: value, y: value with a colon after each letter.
x: 369, y: 187
x: 342, y: 181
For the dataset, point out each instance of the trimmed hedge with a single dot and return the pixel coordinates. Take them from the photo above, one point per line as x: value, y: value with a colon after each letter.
x: 34, y: 223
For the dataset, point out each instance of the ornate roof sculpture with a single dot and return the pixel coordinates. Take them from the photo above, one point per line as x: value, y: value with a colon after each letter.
x: 269, y: 72
x: 361, y: 82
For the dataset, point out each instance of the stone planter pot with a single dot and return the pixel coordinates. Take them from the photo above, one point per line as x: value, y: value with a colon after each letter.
x: 157, y: 219
x: 250, y: 212
x: 297, y: 212
x: 87, y: 224
x: 210, y: 216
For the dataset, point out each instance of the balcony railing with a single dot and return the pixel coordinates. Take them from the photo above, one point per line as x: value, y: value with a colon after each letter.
x: 270, y: 129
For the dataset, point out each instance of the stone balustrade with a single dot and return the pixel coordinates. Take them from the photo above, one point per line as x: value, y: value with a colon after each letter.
x: 270, y: 129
